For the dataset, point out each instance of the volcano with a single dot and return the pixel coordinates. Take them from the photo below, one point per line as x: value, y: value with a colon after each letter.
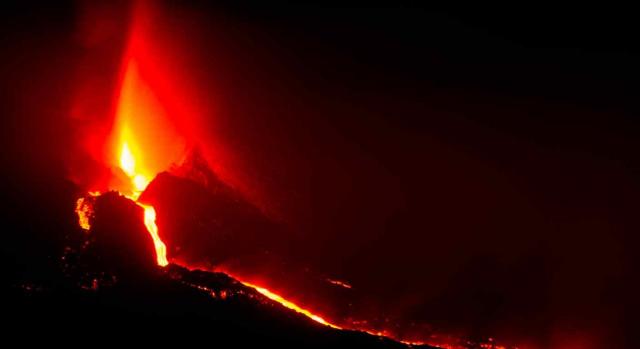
x: 302, y: 175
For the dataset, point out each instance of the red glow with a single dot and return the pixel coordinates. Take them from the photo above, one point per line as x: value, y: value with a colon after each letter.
x: 339, y: 283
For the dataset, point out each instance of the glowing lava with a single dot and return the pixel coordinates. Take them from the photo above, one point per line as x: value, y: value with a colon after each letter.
x: 152, y: 228
x: 84, y: 210
x: 290, y: 305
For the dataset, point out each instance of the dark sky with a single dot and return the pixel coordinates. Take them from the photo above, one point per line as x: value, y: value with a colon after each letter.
x: 475, y: 169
